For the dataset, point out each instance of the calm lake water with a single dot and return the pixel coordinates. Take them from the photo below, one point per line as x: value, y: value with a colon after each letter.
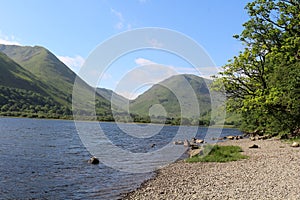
x: 45, y: 159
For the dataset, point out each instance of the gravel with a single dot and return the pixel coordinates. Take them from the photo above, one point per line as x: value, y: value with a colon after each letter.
x: 271, y: 172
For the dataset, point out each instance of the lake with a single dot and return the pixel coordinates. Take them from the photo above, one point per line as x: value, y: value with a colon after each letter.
x: 46, y: 159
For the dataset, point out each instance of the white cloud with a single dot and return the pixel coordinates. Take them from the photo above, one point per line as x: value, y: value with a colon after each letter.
x: 205, y: 72
x: 119, y: 25
x: 8, y: 40
x: 74, y: 63
x: 143, y: 61
x: 121, y: 22
x: 118, y: 14
x: 148, y: 73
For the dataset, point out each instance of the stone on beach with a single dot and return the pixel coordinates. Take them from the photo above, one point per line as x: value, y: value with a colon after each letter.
x: 186, y: 143
x: 254, y: 146
x: 198, y: 141
x: 230, y: 137
x: 270, y: 173
x: 194, y: 152
x: 295, y: 144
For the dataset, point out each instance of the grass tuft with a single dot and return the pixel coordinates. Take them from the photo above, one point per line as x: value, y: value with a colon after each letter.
x: 218, y: 153
x: 291, y: 140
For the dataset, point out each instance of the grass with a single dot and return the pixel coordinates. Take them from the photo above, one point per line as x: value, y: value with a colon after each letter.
x: 218, y: 153
x: 291, y: 140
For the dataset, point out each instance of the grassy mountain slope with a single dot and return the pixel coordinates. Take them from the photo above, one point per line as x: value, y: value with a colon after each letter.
x: 164, y: 92
x: 46, y: 67
x: 22, y: 94
x: 167, y: 93
x: 13, y: 75
x: 57, y: 77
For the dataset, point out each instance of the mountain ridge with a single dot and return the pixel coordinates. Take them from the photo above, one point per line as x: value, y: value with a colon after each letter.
x: 55, y: 78
x: 36, y: 72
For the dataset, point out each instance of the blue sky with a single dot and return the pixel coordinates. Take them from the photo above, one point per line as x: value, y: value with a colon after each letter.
x: 73, y: 29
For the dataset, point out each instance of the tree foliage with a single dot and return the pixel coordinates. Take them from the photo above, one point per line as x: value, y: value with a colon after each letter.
x: 262, y: 82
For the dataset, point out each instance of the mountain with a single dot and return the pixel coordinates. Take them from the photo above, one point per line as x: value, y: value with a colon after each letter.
x: 13, y: 75
x: 35, y: 83
x: 113, y: 97
x: 22, y: 94
x: 186, y: 89
x: 56, y: 80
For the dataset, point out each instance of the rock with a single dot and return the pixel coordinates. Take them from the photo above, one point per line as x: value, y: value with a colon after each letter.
x: 194, y: 146
x: 186, y: 143
x: 193, y: 140
x: 178, y: 142
x: 230, y: 137
x: 93, y: 160
x: 264, y: 137
x: 252, y: 138
x: 239, y: 137
x: 254, y: 146
x: 198, y: 141
x: 295, y: 144
x: 194, y: 152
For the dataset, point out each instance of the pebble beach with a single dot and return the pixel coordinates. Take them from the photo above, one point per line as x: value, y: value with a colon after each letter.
x: 272, y: 171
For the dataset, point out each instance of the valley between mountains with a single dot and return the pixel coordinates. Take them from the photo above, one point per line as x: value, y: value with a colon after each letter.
x: 34, y: 83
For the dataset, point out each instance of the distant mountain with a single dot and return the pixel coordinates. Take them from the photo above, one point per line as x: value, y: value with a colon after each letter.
x: 113, y: 97
x: 168, y: 92
x: 53, y: 76
x: 35, y: 83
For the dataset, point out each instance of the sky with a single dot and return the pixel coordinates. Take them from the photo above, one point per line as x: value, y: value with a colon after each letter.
x: 72, y: 29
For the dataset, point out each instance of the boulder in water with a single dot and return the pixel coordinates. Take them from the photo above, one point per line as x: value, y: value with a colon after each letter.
x: 93, y: 160
x: 178, y: 142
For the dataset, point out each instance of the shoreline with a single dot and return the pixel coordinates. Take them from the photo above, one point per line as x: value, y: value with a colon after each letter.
x: 82, y: 120
x: 271, y: 172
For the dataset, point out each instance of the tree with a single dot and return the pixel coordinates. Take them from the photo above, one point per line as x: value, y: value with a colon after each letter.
x: 262, y: 82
